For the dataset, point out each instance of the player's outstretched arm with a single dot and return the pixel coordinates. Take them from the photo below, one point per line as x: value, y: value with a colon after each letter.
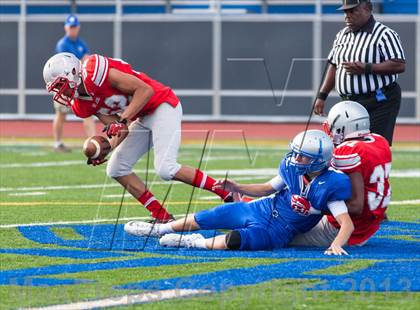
x: 346, y: 229
x: 253, y: 190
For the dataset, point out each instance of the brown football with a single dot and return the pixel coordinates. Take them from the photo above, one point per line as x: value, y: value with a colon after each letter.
x: 96, y: 147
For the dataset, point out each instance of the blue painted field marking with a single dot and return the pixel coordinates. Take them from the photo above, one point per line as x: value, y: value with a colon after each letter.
x: 224, y: 279
x: 392, y: 276
x: 378, y: 247
x: 380, y: 277
x: 66, y: 253
x: 22, y: 276
x: 96, y: 237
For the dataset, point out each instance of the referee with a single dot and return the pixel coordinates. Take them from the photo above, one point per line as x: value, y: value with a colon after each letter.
x: 364, y: 63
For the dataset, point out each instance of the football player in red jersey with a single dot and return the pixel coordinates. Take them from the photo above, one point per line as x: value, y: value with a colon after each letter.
x: 119, y: 96
x: 366, y: 158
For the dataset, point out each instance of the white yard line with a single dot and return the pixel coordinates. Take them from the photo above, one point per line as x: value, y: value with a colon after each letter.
x: 214, y: 197
x: 152, y: 296
x: 28, y: 194
x: 44, y: 164
x: 245, y: 173
x: 91, y: 186
x: 82, y: 163
x: 405, y: 202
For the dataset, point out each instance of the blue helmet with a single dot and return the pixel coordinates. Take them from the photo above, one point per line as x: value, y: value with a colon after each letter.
x: 316, y: 145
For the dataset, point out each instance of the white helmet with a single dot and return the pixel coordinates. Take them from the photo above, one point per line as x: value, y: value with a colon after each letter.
x: 62, y: 76
x: 347, y: 119
x: 316, y: 145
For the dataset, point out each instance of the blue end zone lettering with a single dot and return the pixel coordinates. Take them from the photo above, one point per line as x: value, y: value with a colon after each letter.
x: 396, y: 269
x: 29, y: 275
x: 77, y: 254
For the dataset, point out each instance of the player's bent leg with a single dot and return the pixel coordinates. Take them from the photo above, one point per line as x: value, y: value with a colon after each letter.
x: 226, y: 216
x: 138, y: 190
x: 126, y: 155
x: 141, y: 228
x: 322, y: 235
x: 183, y: 241
x: 165, y: 123
x: 185, y: 224
x: 120, y: 165
x: 197, y: 178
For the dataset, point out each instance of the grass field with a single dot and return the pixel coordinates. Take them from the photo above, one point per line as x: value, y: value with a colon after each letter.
x: 58, y: 216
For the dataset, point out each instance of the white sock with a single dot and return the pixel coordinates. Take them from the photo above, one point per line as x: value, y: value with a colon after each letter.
x: 200, y: 243
x: 164, y: 229
x: 57, y: 143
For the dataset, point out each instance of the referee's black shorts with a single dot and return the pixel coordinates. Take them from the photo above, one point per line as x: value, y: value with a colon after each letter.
x: 383, y: 115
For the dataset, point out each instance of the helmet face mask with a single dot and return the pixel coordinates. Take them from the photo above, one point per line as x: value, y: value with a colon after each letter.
x: 337, y: 136
x: 62, y: 76
x: 311, y: 155
x: 64, y: 90
x: 347, y: 120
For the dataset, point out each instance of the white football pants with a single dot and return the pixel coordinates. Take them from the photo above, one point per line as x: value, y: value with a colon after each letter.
x: 160, y: 130
x: 322, y: 235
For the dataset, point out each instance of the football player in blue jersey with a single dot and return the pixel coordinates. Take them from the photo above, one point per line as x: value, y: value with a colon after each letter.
x: 305, y: 181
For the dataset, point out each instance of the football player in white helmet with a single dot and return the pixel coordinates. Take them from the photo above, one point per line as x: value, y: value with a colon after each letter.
x: 366, y: 159
x: 347, y: 120
x: 139, y: 113
x: 311, y: 144
x: 303, y: 181
x: 62, y: 76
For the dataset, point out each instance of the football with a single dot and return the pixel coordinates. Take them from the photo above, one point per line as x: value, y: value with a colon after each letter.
x: 96, y: 147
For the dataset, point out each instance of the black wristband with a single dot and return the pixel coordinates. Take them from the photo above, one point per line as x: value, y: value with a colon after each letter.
x: 368, y: 68
x: 321, y: 95
x: 123, y: 121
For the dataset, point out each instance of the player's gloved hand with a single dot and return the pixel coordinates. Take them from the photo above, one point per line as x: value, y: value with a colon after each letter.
x: 96, y: 162
x: 116, y: 128
x: 301, y: 205
x: 335, y: 249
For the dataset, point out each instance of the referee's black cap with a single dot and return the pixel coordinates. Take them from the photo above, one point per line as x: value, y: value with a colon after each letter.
x: 349, y: 4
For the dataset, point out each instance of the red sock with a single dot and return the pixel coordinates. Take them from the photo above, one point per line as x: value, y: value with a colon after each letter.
x: 202, y: 180
x: 152, y: 204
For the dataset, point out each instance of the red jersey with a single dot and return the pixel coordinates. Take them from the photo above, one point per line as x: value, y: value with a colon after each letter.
x: 372, y: 158
x: 107, y: 100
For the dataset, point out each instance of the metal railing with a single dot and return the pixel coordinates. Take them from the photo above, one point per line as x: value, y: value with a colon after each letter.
x: 215, y: 15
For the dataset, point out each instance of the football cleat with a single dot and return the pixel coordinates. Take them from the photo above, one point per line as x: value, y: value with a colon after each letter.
x: 141, y: 229
x: 178, y: 240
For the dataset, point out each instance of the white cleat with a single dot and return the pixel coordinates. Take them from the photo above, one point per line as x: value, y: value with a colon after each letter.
x: 178, y: 240
x: 141, y: 229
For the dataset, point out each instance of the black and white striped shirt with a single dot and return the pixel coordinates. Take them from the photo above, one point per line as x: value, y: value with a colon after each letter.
x: 374, y: 43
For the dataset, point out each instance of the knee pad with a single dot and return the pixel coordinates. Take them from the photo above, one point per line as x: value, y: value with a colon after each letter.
x: 233, y: 240
x: 167, y: 171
